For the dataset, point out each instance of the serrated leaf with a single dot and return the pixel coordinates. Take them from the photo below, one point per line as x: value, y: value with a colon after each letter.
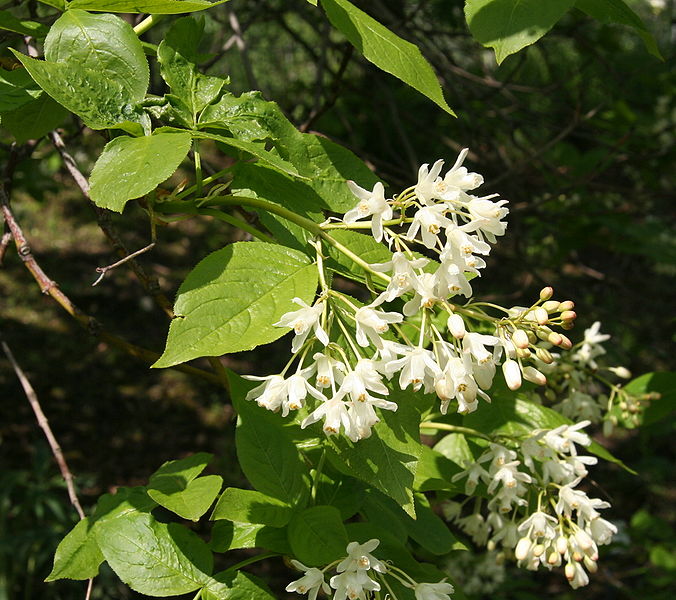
x: 385, y: 49
x: 236, y: 585
x: 101, y: 102
x: 154, y: 558
x: 102, y: 43
x: 232, y: 535
x: 230, y: 300
x: 123, y: 502
x: 617, y: 11
x: 131, y: 167
x: 9, y: 22
x: 34, y: 119
x: 189, y: 502
x: 389, y: 458
x: 507, y: 26
x: 155, y: 7
x: 268, y: 457
x: 250, y: 506
x: 77, y: 555
x: 317, y: 535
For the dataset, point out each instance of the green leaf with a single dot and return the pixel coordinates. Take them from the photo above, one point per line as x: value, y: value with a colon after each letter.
x: 269, y: 459
x: 617, y: 11
x: 389, y: 458
x: 363, y: 246
x: 231, y: 535
x: 101, y: 102
x: 344, y: 493
x: 33, y: 120
x: 248, y: 117
x: 154, y: 558
x: 428, y: 529
x: 385, y: 49
x: 258, y: 151
x: 507, y: 26
x: 236, y: 585
x: 78, y: 555
x: 123, y: 502
x: 9, y: 22
x: 250, y: 506
x: 230, y: 300
x: 435, y: 472
x: 60, y: 4
x: 102, y: 43
x: 16, y: 89
x: 176, y: 486
x: 317, y: 535
x: 664, y: 383
x: 131, y: 167
x: 155, y: 7
x: 383, y: 512
x: 178, y: 56
x: 454, y: 446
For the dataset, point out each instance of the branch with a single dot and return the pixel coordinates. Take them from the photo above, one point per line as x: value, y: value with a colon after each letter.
x: 104, y: 270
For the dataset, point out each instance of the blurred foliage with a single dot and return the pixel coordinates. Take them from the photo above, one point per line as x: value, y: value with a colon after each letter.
x: 577, y: 132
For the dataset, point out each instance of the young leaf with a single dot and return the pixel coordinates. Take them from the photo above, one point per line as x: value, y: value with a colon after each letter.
x: 507, y: 26
x: 389, y: 458
x: 317, y: 536
x: 250, y: 506
x: 385, y: 49
x: 269, y: 459
x: 102, y: 43
x: 77, y: 555
x: 155, y: 7
x: 131, y: 167
x: 617, y: 11
x: 230, y: 300
x: 154, y: 558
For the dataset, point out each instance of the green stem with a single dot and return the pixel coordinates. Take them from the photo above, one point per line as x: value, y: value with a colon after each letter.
x: 252, y: 560
x: 364, y: 224
x: 147, y: 23
x: 198, y: 168
x: 453, y: 428
x: 318, y: 474
x: 205, y: 181
x: 235, y: 222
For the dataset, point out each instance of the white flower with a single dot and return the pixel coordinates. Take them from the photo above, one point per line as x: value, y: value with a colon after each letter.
x: 297, y: 388
x: 418, y: 368
x: 359, y: 558
x: 269, y: 394
x: 512, y: 373
x: 601, y: 530
x: 328, y: 369
x: 301, y: 321
x: 352, y: 585
x: 402, y: 277
x: 433, y: 591
x: 487, y: 215
x: 459, y: 178
x: 451, y: 280
x: 372, y: 323
x: 475, y: 344
x: 425, y: 286
x: 371, y: 204
x: 430, y: 220
x: 334, y: 413
x: 571, y: 499
x: 461, y: 244
x: 576, y: 575
x: 538, y: 525
x: 425, y: 189
x: 310, y: 583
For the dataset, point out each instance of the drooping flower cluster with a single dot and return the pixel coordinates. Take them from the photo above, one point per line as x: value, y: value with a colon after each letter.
x: 565, y: 528
x: 345, y: 350
x: 359, y: 575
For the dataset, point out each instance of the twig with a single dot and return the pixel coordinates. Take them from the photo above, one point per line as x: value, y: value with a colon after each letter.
x: 44, y: 425
x: 241, y: 46
x: 104, y: 270
x: 4, y: 243
x: 149, y: 283
x: 47, y: 286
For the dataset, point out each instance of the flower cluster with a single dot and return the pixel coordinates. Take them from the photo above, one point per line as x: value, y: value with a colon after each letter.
x: 359, y: 575
x: 345, y: 350
x: 565, y: 528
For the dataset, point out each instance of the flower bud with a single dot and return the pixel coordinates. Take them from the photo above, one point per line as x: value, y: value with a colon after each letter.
x: 544, y: 355
x: 520, y: 339
x: 554, y: 559
x: 512, y: 374
x: 456, y: 326
x: 569, y: 571
x: 567, y: 305
x: 541, y: 315
x: 546, y: 293
x: 607, y: 428
x: 591, y: 565
x: 621, y: 372
x: 566, y: 344
x: 568, y: 315
x: 554, y: 338
x: 583, y: 539
x: 522, y: 548
x: 561, y: 544
x: 534, y: 376
x: 532, y: 338
x: 538, y: 550
x: 551, y: 306
x: 523, y: 353
x: 567, y: 325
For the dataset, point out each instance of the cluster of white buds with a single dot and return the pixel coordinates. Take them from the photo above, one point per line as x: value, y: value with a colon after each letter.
x: 358, y: 347
x: 565, y: 528
x: 358, y: 576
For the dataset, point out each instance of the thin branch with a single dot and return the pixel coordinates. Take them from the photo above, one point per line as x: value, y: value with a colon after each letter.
x: 241, y: 46
x: 104, y: 270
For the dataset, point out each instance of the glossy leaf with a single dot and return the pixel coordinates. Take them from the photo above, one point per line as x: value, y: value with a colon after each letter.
x: 232, y: 535
x: 250, y: 506
x: 317, y: 536
x: 385, y: 49
x: 268, y: 457
x: 507, y: 26
x: 617, y: 11
x: 9, y: 22
x: 389, y: 458
x: 16, y: 89
x: 131, y: 167
x: 77, y: 555
x: 33, y: 120
x: 154, y: 558
x: 102, y: 43
x: 230, y: 300
x: 155, y: 7
x: 435, y: 472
